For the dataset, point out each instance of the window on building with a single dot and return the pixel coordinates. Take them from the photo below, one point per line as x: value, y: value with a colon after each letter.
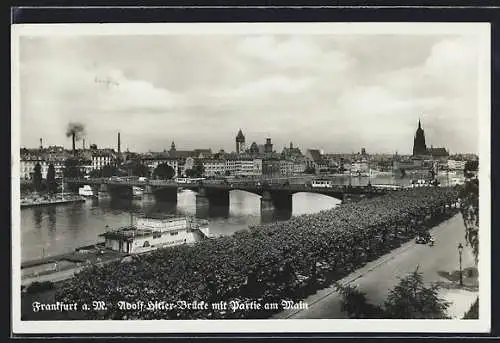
x: 174, y: 233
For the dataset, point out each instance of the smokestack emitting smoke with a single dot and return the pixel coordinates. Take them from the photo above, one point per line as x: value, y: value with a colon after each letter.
x: 83, y: 144
x: 76, y: 131
x: 119, y: 143
x: 41, y: 145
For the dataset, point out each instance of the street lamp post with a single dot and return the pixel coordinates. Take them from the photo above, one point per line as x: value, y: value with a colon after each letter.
x: 460, y: 249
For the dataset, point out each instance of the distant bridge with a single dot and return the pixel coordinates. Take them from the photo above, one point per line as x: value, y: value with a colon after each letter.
x: 275, y: 195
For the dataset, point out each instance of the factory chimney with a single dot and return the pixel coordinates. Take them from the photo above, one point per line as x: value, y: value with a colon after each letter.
x: 119, y: 143
x: 84, y: 144
x: 41, y: 145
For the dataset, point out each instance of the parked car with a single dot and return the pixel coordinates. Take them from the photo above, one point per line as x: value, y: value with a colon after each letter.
x: 424, y: 238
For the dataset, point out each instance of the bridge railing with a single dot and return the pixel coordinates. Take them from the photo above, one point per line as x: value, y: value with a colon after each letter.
x: 236, y: 184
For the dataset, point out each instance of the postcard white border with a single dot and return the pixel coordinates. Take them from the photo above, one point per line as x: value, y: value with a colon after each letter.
x: 482, y: 30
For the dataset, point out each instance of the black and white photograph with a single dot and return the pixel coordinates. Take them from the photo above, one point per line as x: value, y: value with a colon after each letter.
x: 280, y: 177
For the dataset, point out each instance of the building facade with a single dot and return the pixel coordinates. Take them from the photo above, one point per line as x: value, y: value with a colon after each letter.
x: 100, y: 159
x: 315, y: 160
x: 45, y: 157
x: 456, y: 165
x: 286, y: 167
x: 214, y: 167
x: 232, y: 167
x: 271, y: 167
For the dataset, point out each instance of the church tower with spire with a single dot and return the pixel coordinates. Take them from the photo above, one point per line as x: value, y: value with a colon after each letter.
x: 419, y: 147
x: 240, y: 142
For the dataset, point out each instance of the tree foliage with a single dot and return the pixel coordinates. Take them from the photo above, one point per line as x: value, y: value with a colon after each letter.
x: 197, y: 171
x: 109, y: 170
x: 355, y: 304
x: 37, y: 177
x: 470, y: 168
x: 310, y: 170
x: 469, y: 208
x: 140, y: 170
x: 134, y: 167
x: 51, y: 179
x: 410, y: 299
x: 473, y: 312
x: 95, y: 173
x: 164, y: 171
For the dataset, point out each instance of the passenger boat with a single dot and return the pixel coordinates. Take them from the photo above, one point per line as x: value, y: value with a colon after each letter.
x: 154, y: 232
x: 86, y: 191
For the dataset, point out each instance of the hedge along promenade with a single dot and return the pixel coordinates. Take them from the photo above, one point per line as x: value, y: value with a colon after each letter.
x: 263, y: 265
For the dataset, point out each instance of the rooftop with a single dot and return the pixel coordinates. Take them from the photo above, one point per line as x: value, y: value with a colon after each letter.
x: 128, y: 233
x: 159, y: 216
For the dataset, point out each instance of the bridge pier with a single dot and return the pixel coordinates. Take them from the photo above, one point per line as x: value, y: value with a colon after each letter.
x: 212, y: 202
x: 148, y: 194
x: 95, y: 190
x: 278, y: 202
x: 167, y: 194
x: 120, y: 191
x: 103, y: 192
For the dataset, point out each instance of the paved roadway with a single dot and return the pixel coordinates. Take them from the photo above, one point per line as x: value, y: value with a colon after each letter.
x: 378, y: 277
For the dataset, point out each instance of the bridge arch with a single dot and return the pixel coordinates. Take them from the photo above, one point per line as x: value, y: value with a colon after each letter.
x: 308, y: 202
x: 338, y: 196
x: 238, y: 189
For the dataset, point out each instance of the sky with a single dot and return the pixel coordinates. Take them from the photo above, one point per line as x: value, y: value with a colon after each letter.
x: 337, y: 93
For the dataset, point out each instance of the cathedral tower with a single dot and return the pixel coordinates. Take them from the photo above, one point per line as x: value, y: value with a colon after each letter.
x: 419, y: 147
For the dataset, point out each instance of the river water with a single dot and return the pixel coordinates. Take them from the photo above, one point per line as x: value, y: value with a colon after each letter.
x: 53, y: 230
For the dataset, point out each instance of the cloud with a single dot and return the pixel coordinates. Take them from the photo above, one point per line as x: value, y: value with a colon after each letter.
x: 293, y: 52
x: 268, y: 87
x: 336, y: 92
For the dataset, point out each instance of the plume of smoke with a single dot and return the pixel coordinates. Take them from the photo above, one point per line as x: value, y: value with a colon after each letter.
x: 76, y: 130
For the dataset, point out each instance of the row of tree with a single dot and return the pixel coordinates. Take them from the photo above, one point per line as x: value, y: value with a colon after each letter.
x: 50, y: 183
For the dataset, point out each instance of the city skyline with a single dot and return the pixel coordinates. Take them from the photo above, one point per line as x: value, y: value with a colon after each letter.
x: 277, y: 149
x: 159, y: 89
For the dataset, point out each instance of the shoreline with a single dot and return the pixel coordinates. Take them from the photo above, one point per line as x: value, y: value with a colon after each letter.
x: 49, y: 202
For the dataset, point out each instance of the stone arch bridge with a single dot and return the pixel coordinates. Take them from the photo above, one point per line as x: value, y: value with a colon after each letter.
x: 211, y: 193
